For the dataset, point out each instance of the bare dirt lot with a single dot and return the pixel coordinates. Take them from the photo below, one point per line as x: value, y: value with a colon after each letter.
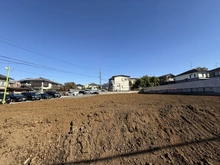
x: 112, y: 129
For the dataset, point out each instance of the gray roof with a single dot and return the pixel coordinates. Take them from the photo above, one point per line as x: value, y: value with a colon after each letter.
x: 80, y: 85
x: 216, y: 69
x: 93, y: 84
x: 190, y: 71
x: 166, y: 75
x: 119, y: 76
x: 39, y: 79
x: 2, y: 77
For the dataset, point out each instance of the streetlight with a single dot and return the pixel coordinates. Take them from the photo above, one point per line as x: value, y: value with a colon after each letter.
x: 6, y: 83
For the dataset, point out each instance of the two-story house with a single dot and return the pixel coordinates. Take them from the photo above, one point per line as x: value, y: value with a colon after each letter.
x: 192, y: 75
x: 119, y: 83
x: 166, y: 79
x: 79, y: 86
x: 11, y: 83
x: 92, y: 86
x: 40, y: 84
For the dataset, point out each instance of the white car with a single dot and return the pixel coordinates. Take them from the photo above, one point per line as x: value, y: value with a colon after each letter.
x: 74, y: 93
x: 94, y: 92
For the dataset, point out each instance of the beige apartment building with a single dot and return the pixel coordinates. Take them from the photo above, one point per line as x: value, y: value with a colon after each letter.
x: 119, y: 83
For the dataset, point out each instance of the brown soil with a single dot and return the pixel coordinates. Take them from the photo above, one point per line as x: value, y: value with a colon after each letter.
x: 112, y: 129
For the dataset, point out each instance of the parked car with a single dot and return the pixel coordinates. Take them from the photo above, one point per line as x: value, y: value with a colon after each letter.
x: 45, y: 96
x: 31, y: 95
x: 7, y: 98
x: 17, y: 97
x: 82, y: 92
x: 53, y: 94
x: 24, y: 98
x: 94, y: 92
x: 38, y: 96
x: 73, y: 93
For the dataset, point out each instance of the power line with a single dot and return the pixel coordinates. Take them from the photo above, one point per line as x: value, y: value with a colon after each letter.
x: 30, y: 72
x: 39, y: 74
x: 21, y: 62
x: 18, y: 45
x: 106, y: 74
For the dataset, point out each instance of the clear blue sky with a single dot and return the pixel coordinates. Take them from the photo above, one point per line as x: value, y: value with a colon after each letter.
x: 73, y: 38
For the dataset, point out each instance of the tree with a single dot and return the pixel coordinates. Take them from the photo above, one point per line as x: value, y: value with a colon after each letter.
x: 130, y: 84
x: 155, y: 81
x: 137, y: 83
x: 202, y: 69
x: 105, y: 86
x: 68, y: 86
x: 146, y: 81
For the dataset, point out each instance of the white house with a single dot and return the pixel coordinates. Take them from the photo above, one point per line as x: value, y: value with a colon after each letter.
x: 133, y: 80
x: 192, y: 75
x: 119, y: 83
x: 92, y: 86
x: 79, y: 86
x: 166, y: 79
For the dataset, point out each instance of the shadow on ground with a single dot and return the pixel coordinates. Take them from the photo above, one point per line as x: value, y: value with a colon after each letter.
x: 141, y: 152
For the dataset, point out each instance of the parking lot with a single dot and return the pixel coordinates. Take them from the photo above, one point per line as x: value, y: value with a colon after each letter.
x: 62, y: 97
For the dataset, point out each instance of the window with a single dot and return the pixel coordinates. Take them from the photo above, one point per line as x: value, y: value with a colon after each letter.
x: 216, y: 74
x: 194, y: 75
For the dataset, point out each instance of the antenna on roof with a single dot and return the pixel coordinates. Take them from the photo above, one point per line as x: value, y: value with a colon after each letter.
x: 191, y: 65
x: 216, y: 64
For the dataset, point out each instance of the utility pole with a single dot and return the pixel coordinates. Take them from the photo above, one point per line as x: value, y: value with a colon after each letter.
x: 6, y: 84
x: 100, y: 77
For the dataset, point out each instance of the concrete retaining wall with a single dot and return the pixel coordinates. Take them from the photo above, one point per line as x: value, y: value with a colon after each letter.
x: 205, y: 87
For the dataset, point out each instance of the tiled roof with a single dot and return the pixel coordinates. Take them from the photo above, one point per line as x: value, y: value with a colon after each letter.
x: 92, y: 84
x: 166, y: 75
x: 2, y: 77
x: 214, y: 69
x: 119, y: 76
x: 190, y: 71
x: 39, y: 79
x: 80, y: 85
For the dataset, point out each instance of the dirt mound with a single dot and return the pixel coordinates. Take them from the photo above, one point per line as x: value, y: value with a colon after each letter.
x: 112, y: 129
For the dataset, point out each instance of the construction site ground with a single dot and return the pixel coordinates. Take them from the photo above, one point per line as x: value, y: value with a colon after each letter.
x: 124, y: 129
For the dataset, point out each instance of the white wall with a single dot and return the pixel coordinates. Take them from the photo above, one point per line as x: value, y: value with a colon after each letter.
x: 121, y: 83
x: 197, y: 75
x: 186, y: 76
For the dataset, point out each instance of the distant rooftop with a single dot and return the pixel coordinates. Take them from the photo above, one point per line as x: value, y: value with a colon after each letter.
x: 169, y: 74
x: 119, y: 76
x: 191, y: 71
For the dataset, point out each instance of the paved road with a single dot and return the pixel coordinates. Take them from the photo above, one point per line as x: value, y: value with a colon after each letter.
x: 79, y: 96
